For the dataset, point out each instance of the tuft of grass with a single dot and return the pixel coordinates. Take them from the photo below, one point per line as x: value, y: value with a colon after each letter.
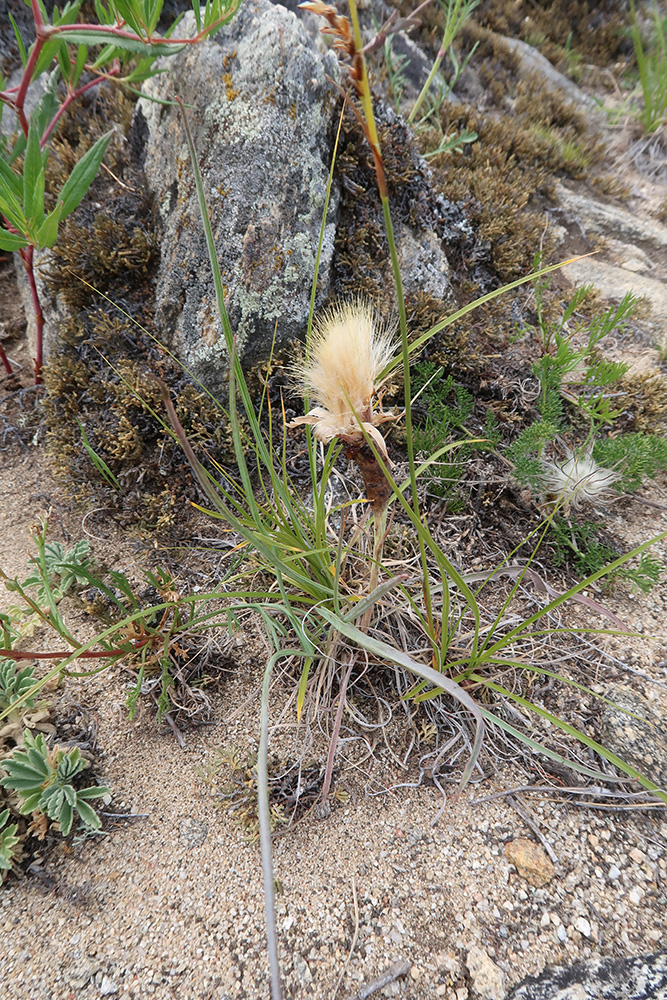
x: 456, y: 15
x: 652, y: 67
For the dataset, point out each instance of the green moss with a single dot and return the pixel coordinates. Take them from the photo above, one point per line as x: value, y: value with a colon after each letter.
x: 505, y: 176
x: 593, y: 30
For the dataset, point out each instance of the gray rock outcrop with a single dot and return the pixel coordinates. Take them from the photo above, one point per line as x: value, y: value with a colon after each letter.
x: 642, y: 978
x: 632, y: 728
x: 261, y: 117
x: 633, y: 254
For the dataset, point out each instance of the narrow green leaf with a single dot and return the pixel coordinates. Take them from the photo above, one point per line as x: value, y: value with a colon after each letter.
x: 36, y: 217
x: 32, y: 165
x: 98, y: 461
x: 129, y: 15
x: 104, y: 16
x: 172, y: 27
x: 94, y: 792
x: 36, y: 757
x: 11, y: 241
x: 559, y: 723
x: 65, y: 817
x: 30, y: 804
x: 65, y: 64
x: 19, y: 41
x: 23, y: 784
x: 10, y: 206
x: 47, y: 56
x: 80, y: 62
x: 69, y: 14
x: 87, y: 814
x: 83, y: 175
x: 98, y: 37
x: 23, y: 770
x: 69, y: 794
x: 47, y: 233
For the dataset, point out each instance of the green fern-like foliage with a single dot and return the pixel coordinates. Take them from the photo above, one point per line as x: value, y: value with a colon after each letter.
x: 578, y: 544
x: 646, y: 574
x: 527, y: 450
x: 448, y: 406
x: 635, y: 456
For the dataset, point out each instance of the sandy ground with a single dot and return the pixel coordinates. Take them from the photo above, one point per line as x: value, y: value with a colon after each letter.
x: 170, y: 904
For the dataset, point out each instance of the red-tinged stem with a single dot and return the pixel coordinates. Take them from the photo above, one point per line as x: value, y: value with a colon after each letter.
x: 5, y: 361
x: 117, y: 32
x: 71, y: 97
x: 40, y: 39
x: 89, y: 654
x: 36, y: 13
x: 27, y: 258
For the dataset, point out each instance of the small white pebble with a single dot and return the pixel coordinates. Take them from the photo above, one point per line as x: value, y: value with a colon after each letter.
x: 614, y: 872
x: 583, y: 926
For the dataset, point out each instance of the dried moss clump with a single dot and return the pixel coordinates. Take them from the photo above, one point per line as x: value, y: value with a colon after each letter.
x: 361, y: 259
x: 96, y: 112
x: 645, y: 402
x: 527, y: 136
x: 361, y: 262
x: 565, y: 31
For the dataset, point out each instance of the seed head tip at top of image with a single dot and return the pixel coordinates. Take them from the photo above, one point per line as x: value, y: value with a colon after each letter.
x: 350, y: 347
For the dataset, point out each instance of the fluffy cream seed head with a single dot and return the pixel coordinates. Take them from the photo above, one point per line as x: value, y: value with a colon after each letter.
x: 349, y: 349
x: 579, y: 480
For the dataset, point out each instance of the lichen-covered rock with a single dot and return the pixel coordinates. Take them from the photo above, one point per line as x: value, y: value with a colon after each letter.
x: 488, y: 980
x: 643, y: 978
x: 632, y: 728
x: 261, y: 116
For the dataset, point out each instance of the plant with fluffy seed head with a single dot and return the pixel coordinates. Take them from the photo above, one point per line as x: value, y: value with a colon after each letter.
x: 349, y: 349
x: 578, y: 480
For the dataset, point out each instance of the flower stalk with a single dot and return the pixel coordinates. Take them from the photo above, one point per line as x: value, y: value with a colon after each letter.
x: 341, y: 375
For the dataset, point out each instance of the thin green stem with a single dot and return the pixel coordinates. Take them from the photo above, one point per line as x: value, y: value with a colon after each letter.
x: 407, y: 391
